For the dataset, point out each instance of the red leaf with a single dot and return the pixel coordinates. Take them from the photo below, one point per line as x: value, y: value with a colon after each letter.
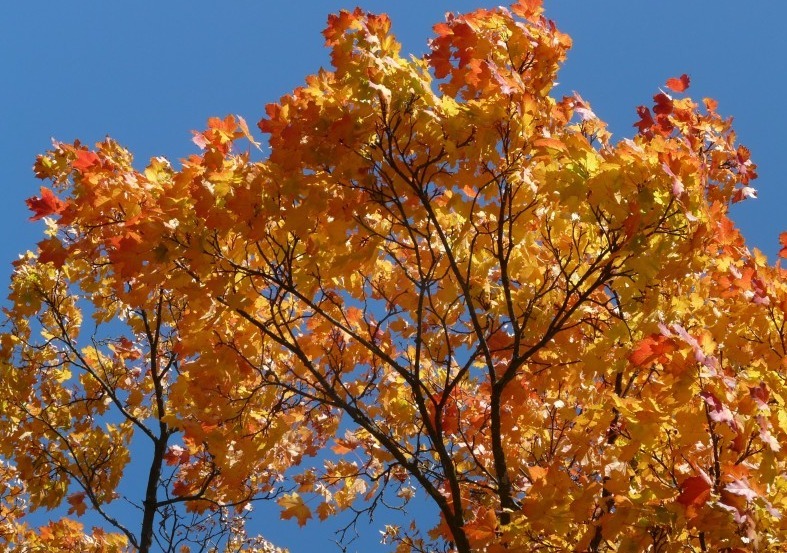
x: 449, y: 414
x: 694, y: 492
x: 662, y: 104
x: 678, y: 84
x: 47, y: 204
x: 84, y: 160
x: 176, y: 455
x: 180, y: 488
x: 645, y: 120
x: 442, y: 29
x: 340, y: 23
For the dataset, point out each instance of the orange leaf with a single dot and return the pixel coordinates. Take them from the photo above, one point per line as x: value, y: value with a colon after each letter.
x: 77, y: 502
x: 783, y: 242
x: 651, y: 349
x: 47, y: 204
x: 484, y: 528
x: 52, y: 251
x: 710, y: 104
x: 552, y: 143
x: 537, y: 473
x: 325, y: 509
x: 529, y: 9
x: 343, y: 446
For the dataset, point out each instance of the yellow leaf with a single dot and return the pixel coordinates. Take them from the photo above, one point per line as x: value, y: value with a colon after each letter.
x: 294, y: 507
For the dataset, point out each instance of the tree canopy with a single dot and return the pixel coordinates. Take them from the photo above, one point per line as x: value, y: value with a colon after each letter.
x: 441, y: 282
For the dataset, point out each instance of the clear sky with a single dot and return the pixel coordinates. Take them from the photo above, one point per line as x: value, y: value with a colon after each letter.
x: 147, y: 73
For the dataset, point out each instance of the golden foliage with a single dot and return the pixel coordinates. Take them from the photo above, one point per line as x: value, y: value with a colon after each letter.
x: 562, y: 340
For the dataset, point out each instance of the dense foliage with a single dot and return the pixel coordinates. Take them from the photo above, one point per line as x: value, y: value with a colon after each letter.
x: 441, y: 282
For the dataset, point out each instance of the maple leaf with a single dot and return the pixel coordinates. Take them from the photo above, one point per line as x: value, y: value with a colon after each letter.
x: 537, y: 473
x: 199, y: 139
x: 741, y: 487
x: 652, y: 349
x: 84, y: 160
x: 646, y: 121
x: 529, y: 9
x: 708, y: 361
x: 710, y: 104
x: 760, y: 394
x: 181, y: 488
x: 325, y: 510
x: 77, y: 502
x: 694, y: 492
x: 484, y: 527
x: 294, y: 507
x: 52, y: 251
x: 551, y: 143
x: 679, y: 84
x: 743, y: 193
x: 449, y: 419
x: 176, y: 455
x: 343, y: 446
x: 662, y: 104
x: 717, y: 411
x: 766, y: 435
x: 677, y: 186
x: 746, y: 169
x: 338, y: 24
x: 47, y: 204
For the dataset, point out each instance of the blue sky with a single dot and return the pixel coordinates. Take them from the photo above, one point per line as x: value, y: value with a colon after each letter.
x: 147, y: 73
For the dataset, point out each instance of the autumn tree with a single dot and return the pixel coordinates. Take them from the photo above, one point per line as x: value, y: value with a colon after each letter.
x: 92, y: 361
x: 442, y: 281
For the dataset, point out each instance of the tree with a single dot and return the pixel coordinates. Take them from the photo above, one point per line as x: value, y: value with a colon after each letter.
x: 442, y: 281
